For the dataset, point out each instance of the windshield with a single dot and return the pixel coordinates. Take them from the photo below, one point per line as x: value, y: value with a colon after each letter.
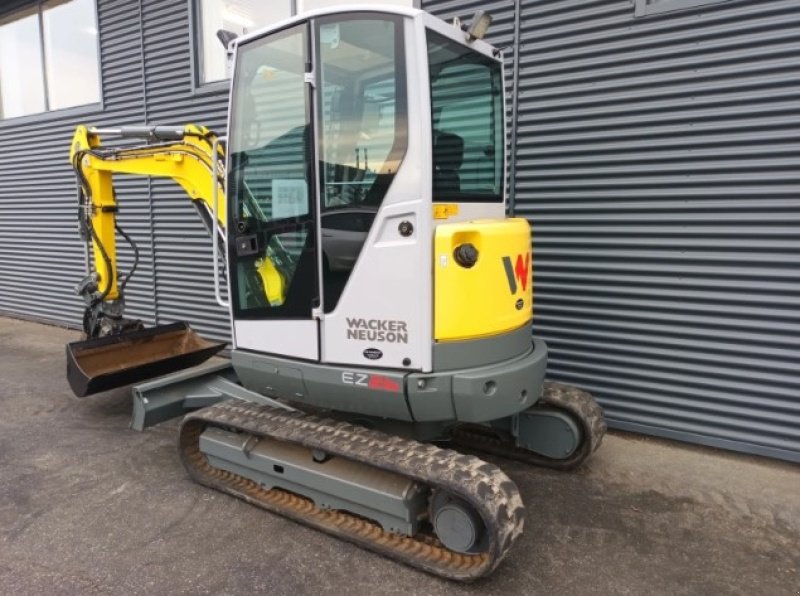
x: 270, y: 121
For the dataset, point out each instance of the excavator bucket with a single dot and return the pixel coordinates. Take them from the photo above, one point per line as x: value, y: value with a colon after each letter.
x: 101, y: 364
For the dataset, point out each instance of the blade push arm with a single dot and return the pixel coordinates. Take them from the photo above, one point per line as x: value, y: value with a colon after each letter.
x: 183, y: 154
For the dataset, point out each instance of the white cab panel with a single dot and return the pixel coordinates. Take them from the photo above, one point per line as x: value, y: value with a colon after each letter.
x: 391, y: 284
x: 293, y: 338
x: 385, y: 305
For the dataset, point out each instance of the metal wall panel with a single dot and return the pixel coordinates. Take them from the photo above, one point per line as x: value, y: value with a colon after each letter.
x: 658, y: 159
x: 145, y: 54
x: 183, y: 263
x: 41, y: 256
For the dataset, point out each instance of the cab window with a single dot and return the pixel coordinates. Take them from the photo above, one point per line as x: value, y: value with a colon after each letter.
x: 467, y: 122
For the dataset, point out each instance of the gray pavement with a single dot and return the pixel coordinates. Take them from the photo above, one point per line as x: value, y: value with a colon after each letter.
x: 89, y: 506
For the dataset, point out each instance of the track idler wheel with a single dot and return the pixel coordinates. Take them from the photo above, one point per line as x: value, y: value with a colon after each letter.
x: 575, y: 408
x: 457, y: 525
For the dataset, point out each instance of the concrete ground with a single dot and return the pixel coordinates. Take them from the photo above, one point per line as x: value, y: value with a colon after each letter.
x: 89, y: 506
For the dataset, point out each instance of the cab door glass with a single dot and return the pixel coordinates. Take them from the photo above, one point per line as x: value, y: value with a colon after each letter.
x: 363, y: 133
x: 272, y: 247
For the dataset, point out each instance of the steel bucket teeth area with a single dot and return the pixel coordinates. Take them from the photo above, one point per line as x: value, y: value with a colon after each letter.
x: 109, y: 362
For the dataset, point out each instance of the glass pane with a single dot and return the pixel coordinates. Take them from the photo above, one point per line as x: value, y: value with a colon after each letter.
x: 268, y: 183
x: 238, y: 16
x: 268, y: 140
x: 21, y: 80
x: 364, y: 130
x: 363, y: 123
x: 70, y: 50
x: 467, y: 113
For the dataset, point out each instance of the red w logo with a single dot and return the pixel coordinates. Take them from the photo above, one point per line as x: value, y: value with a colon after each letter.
x: 520, y: 272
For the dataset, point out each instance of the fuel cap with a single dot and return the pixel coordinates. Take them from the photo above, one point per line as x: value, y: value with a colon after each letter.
x: 466, y: 255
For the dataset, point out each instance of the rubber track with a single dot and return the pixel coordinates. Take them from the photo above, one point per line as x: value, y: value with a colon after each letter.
x: 484, y: 486
x: 580, y: 404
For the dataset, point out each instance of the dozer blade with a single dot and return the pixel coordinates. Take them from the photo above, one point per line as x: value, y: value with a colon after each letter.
x: 101, y: 364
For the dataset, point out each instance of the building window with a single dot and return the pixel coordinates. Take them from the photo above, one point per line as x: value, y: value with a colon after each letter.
x: 243, y: 16
x: 49, y: 58
x: 237, y: 16
x: 644, y: 8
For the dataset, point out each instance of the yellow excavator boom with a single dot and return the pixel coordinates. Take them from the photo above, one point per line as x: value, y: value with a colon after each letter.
x: 117, y: 350
x: 184, y: 154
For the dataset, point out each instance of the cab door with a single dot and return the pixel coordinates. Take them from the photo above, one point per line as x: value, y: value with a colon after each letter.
x: 272, y: 236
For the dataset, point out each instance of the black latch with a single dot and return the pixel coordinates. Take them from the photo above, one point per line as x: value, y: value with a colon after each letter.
x: 246, y: 245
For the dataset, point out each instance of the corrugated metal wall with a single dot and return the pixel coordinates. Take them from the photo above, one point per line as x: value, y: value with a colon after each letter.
x: 41, y: 256
x: 184, y: 274
x: 659, y: 161
x: 145, y: 54
x: 657, y: 157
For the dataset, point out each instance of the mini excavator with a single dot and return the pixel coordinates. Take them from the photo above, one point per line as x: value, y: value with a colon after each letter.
x: 380, y: 300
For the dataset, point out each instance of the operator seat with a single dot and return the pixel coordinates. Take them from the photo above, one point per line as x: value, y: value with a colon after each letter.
x: 448, y: 155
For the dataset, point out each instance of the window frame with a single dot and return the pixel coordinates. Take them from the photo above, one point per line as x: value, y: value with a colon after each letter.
x: 48, y: 113
x: 645, y: 8
x: 199, y: 87
x: 195, y: 54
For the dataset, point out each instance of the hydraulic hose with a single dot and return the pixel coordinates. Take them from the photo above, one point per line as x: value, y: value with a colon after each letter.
x: 135, y: 248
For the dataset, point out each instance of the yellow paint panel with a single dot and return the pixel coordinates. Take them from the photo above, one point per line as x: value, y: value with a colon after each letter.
x: 493, y: 296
